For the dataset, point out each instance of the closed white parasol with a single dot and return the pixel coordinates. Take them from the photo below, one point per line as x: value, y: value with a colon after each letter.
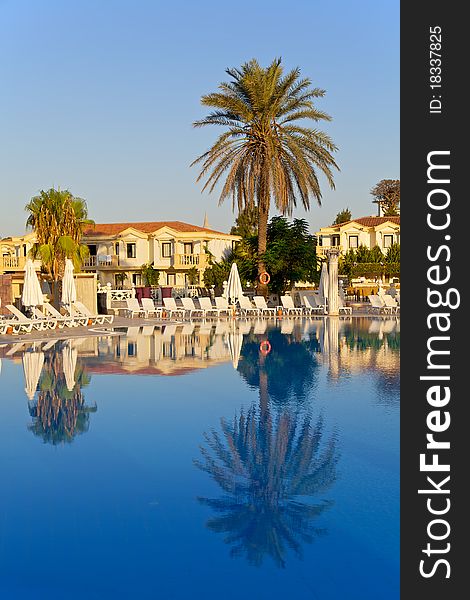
x: 323, y: 287
x: 234, y: 289
x: 32, y: 293
x: 69, y: 293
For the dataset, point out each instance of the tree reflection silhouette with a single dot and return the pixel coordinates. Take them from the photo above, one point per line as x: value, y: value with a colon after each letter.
x: 266, y: 466
x: 60, y: 413
x: 290, y: 368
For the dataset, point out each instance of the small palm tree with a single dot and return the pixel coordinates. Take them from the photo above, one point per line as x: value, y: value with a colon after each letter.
x: 58, y: 220
x: 265, y: 153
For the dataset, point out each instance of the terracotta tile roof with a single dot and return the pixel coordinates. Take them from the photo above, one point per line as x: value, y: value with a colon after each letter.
x: 146, y: 227
x: 114, y: 369
x: 371, y: 221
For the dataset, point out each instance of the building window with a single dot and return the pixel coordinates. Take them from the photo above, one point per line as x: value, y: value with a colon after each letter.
x: 171, y: 278
x: 119, y: 279
x: 166, y: 249
x: 131, y: 250
x: 335, y: 240
x: 388, y: 241
x: 131, y: 349
x: 353, y: 241
x: 25, y: 251
x: 116, y: 248
x: 188, y: 247
x: 136, y: 278
x: 92, y: 249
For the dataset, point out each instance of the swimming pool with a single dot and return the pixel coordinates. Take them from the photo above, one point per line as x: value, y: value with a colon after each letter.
x: 215, y: 461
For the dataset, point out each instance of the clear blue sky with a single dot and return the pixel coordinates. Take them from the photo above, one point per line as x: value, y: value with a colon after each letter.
x: 99, y: 97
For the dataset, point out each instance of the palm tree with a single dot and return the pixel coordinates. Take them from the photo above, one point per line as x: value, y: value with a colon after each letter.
x: 58, y: 220
x: 265, y: 467
x: 265, y: 152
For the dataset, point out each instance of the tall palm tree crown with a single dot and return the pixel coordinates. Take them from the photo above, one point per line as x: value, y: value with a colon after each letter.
x: 265, y: 154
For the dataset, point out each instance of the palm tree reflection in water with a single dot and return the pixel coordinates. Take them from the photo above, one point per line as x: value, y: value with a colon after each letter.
x: 267, y: 465
x: 60, y: 413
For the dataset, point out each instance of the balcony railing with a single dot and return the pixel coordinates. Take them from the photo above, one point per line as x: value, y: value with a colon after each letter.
x: 323, y: 250
x: 190, y: 260
x: 101, y: 261
x: 12, y: 263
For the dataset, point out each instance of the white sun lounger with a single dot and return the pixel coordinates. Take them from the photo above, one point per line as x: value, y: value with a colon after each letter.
x: 288, y: 306
x: 309, y: 306
x: 98, y: 319
x: 56, y: 322
x: 171, y: 308
x: 376, y: 304
x: 27, y: 324
x: 206, y: 305
x: 189, y: 307
x: 260, y: 303
x: 68, y: 321
x: 133, y: 308
x: 342, y: 308
x: 246, y: 308
x: 222, y: 304
x: 150, y: 309
x: 15, y: 326
x: 391, y: 304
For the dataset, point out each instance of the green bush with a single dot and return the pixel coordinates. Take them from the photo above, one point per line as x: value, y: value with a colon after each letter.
x: 149, y: 274
x: 374, y: 270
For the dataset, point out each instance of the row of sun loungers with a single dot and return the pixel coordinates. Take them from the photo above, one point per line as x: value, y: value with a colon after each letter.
x: 79, y: 315
x: 50, y: 318
x: 244, y: 307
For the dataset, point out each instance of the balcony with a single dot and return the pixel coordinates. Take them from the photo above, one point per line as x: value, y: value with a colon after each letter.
x: 102, y: 261
x: 12, y: 263
x: 186, y: 261
x: 323, y: 250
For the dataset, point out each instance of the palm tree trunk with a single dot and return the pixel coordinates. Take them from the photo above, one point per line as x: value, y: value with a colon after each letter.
x: 55, y: 293
x: 263, y: 214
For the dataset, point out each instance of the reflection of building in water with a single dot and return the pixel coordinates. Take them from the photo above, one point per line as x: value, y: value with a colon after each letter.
x: 344, y: 344
x: 360, y: 344
x: 167, y: 350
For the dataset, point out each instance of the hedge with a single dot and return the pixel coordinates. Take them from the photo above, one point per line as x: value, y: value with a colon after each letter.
x: 375, y: 269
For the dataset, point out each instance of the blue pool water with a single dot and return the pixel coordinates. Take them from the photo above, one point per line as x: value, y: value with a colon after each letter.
x: 186, y: 462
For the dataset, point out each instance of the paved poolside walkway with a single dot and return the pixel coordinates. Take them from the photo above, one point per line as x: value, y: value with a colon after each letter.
x: 120, y: 323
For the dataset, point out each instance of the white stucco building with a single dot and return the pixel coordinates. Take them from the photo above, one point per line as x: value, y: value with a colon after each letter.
x: 172, y: 247
x: 367, y: 231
